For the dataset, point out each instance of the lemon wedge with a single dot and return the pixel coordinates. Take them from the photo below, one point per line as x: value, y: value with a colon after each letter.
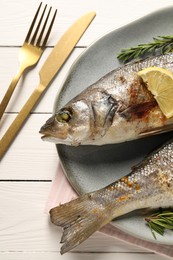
x: 160, y: 82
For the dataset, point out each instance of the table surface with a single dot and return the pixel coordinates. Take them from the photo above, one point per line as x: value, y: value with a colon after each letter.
x: 27, y: 169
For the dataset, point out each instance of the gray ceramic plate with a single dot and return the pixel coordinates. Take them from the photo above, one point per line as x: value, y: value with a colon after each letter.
x: 90, y: 167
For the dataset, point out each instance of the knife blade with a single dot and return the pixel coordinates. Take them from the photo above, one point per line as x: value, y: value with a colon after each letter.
x: 51, y: 66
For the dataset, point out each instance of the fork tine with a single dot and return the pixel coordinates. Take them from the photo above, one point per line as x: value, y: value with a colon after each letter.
x: 42, y: 31
x: 32, y: 24
x: 38, y: 26
x: 49, y: 30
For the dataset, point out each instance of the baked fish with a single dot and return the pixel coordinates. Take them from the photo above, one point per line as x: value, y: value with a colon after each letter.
x: 149, y: 185
x: 117, y: 108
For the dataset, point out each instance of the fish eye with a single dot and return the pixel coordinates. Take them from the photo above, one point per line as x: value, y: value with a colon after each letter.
x: 63, y: 116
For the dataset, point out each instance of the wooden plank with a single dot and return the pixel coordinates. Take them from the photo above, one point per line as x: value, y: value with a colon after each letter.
x: 29, y: 82
x: 16, y: 16
x: 76, y: 256
x: 29, y: 158
x: 25, y: 227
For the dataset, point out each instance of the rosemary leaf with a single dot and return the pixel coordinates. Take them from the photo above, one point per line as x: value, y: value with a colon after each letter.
x: 156, y: 228
x: 152, y: 231
x: 160, y: 44
x: 167, y: 214
x: 163, y: 224
x: 160, y: 221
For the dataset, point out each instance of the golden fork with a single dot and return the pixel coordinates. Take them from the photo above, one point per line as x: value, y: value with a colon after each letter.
x: 30, y: 52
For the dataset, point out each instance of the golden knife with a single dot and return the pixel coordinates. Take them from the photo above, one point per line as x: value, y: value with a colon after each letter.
x: 54, y: 62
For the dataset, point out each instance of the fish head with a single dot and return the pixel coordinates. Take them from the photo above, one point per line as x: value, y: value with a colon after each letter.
x: 70, y: 125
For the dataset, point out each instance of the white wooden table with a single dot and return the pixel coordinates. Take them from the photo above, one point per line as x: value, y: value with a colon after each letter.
x: 29, y: 165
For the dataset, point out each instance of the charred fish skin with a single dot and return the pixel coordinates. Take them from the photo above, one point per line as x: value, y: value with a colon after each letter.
x: 149, y: 185
x: 117, y: 108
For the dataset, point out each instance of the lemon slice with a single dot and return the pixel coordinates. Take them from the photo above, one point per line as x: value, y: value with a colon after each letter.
x: 160, y: 83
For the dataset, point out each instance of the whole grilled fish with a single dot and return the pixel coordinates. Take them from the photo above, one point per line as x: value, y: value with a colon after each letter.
x: 149, y: 185
x: 117, y: 108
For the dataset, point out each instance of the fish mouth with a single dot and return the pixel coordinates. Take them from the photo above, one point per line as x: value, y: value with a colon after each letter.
x: 45, y: 133
x: 50, y: 138
x: 45, y: 136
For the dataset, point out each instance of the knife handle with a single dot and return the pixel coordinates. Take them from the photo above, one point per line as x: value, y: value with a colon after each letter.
x: 19, y: 120
x: 10, y: 91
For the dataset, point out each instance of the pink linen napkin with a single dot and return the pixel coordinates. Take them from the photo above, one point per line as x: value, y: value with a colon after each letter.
x: 62, y: 192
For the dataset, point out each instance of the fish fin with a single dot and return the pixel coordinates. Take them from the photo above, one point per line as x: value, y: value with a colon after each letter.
x: 157, y: 130
x: 79, y: 219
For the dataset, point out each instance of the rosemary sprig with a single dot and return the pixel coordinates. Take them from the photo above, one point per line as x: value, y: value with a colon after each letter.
x: 160, y: 221
x: 161, y: 44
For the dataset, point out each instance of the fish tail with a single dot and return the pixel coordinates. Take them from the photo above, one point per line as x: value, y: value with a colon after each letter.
x: 79, y: 218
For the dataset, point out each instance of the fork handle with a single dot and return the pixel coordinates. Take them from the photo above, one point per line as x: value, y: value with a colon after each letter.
x: 10, y: 91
